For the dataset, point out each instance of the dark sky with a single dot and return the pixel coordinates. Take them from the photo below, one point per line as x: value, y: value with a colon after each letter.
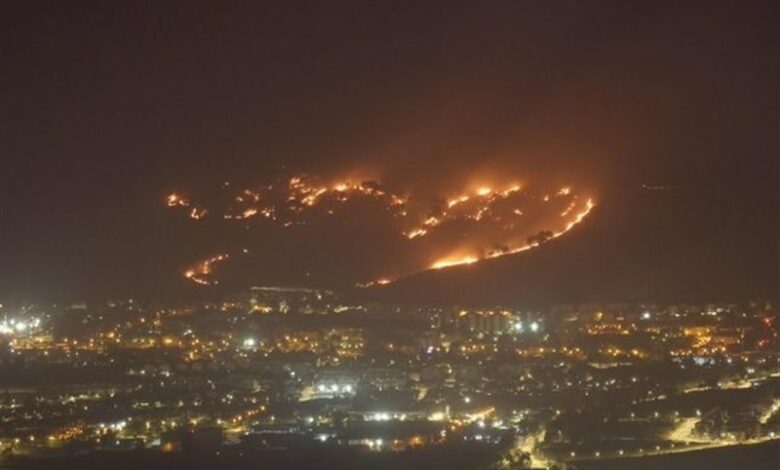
x: 108, y: 106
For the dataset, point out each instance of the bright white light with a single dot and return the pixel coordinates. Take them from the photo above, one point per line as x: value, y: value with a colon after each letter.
x: 14, y: 326
x: 646, y: 316
x: 518, y: 326
x: 249, y: 343
x: 322, y: 388
x: 347, y: 388
x: 467, y: 400
x: 534, y: 326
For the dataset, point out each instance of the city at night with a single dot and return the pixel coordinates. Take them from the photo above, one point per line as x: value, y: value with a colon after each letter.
x: 486, y: 235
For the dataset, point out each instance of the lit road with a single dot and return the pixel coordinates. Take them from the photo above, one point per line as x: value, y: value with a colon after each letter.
x: 673, y: 450
x: 529, y: 444
x: 767, y: 415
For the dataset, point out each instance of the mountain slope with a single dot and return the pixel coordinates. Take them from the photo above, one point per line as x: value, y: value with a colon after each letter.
x: 637, y: 245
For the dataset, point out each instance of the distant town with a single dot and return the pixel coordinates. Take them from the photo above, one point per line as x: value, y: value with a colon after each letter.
x: 277, y: 370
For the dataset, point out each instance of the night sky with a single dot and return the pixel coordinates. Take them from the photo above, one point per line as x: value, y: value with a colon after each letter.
x: 109, y: 106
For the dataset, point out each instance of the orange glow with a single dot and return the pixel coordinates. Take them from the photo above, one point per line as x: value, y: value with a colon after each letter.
x: 457, y: 261
x: 589, y: 205
x: 198, y: 213
x: 512, y: 189
x: 248, y: 213
x: 569, y: 208
x: 454, y: 202
x: 483, y: 219
x: 416, y: 233
x: 200, y: 274
x: 174, y: 199
x: 448, y: 262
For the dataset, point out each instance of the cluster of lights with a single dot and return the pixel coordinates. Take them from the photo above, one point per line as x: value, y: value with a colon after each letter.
x: 13, y: 326
x: 335, y: 388
x: 533, y: 327
x: 118, y: 426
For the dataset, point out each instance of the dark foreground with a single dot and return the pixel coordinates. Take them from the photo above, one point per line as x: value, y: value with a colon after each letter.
x: 450, y: 457
x: 746, y: 457
x: 753, y: 457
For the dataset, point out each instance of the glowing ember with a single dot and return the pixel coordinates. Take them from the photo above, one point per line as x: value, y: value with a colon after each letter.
x: 454, y: 202
x: 416, y: 233
x: 482, y: 226
x: 198, y: 213
x: 174, y: 200
x: 446, y: 263
x: 201, y: 273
